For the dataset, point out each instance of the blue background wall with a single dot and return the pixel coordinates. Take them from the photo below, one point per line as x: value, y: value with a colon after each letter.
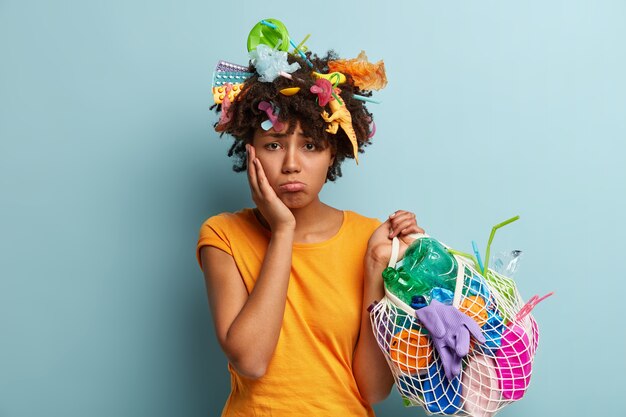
x: 109, y: 164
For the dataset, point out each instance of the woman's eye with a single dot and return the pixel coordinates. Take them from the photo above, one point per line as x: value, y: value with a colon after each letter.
x: 272, y: 146
x: 310, y: 146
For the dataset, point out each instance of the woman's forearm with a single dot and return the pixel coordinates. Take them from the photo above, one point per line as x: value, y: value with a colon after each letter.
x: 253, y: 335
x: 371, y: 371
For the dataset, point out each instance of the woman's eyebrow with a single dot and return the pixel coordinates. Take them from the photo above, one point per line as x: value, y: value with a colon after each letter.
x: 282, y: 135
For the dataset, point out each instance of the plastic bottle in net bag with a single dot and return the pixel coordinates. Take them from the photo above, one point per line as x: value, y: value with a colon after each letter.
x: 427, y: 265
x: 507, y: 263
x: 403, y: 286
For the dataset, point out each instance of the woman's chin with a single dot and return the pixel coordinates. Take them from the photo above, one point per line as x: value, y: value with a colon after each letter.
x: 295, y: 200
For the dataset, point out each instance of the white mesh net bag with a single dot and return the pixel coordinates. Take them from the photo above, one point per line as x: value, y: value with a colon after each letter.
x: 458, y: 342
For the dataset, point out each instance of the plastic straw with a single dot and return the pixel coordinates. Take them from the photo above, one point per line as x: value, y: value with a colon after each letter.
x: 465, y: 255
x: 306, y: 38
x: 493, y: 233
x: 362, y: 98
x: 477, y: 253
x: 273, y: 26
x: 266, y: 23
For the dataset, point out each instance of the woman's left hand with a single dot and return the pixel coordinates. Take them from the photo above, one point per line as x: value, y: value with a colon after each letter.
x: 400, y: 224
x: 371, y: 372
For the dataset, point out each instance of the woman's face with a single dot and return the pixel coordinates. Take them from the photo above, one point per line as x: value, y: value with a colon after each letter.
x: 295, y: 167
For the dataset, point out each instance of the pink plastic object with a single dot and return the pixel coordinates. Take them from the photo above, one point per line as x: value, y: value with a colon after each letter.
x: 480, y: 386
x: 225, y: 116
x: 514, y: 358
x: 267, y: 108
x: 514, y: 362
x: 373, y: 130
x: 532, y: 303
x: 324, y: 89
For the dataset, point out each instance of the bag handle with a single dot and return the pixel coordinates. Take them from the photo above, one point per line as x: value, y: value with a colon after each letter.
x: 395, y: 247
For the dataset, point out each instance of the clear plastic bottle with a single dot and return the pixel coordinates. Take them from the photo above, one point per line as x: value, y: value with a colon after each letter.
x: 506, y: 263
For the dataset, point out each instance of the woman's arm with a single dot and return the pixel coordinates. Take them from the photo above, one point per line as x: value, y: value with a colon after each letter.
x: 370, y: 368
x: 248, y: 326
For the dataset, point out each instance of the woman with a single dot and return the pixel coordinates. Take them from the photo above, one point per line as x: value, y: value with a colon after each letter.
x: 289, y: 282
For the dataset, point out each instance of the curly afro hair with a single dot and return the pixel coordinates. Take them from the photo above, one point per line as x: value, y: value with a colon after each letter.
x: 303, y: 107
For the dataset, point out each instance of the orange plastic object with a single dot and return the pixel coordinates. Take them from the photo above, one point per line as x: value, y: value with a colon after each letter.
x: 365, y: 75
x: 474, y: 306
x: 411, y: 350
x: 218, y: 92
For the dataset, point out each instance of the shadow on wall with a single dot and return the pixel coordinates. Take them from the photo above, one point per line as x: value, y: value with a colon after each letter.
x: 212, y: 188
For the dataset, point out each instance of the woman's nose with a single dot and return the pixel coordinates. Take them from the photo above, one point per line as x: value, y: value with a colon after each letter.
x: 291, y: 162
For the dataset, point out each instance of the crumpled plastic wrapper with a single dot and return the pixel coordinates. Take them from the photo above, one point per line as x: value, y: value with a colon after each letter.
x: 269, y: 63
x: 365, y: 75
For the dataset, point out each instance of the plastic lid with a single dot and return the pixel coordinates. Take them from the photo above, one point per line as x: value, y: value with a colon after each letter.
x: 271, y: 33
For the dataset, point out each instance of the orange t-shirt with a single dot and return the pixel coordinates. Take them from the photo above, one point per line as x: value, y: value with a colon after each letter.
x: 310, y: 373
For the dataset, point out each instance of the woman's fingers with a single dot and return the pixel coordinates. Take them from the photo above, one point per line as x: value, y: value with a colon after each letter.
x: 262, y: 191
x: 405, y: 228
x: 403, y: 223
x: 399, y: 221
x: 267, y: 201
x: 264, y: 186
x: 252, y: 173
x: 258, y: 180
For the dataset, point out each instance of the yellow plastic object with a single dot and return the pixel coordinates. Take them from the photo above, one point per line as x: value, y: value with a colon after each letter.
x: 332, y: 77
x: 218, y: 92
x: 474, y: 306
x: 289, y: 91
x: 341, y: 116
x: 411, y: 351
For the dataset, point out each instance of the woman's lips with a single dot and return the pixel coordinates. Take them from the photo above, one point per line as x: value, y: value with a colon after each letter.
x: 292, y: 187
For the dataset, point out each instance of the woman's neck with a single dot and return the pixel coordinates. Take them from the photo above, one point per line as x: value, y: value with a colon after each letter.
x: 316, y: 222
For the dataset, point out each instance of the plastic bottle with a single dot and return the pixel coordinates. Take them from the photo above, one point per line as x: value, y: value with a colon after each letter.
x: 507, y: 263
x: 426, y: 265
x: 418, y: 301
x: 429, y: 261
x: 403, y: 286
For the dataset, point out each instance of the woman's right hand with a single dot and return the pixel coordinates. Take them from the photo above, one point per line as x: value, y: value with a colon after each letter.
x: 274, y: 211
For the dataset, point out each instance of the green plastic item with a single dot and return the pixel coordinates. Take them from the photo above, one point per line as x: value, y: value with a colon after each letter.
x: 426, y: 265
x: 270, y: 32
x: 505, y: 290
x: 505, y: 287
x: 492, y: 235
x: 400, y: 284
x: 428, y: 260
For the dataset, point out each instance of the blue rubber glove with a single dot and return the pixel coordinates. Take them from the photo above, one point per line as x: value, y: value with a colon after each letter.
x: 450, y: 332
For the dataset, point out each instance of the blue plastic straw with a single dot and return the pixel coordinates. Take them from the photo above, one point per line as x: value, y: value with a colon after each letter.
x: 477, y: 253
x: 362, y: 98
x: 266, y: 23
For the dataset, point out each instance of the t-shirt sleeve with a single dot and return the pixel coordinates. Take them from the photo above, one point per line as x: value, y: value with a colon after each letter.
x: 213, y: 233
